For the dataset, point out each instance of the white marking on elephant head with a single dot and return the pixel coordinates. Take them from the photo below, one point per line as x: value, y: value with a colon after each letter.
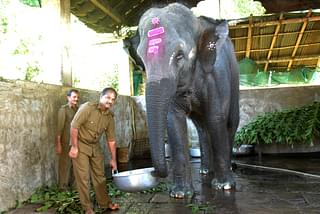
x: 192, y: 53
x: 211, y: 45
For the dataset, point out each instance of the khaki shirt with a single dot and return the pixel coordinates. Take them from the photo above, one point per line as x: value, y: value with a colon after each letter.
x: 65, y: 116
x: 92, y: 123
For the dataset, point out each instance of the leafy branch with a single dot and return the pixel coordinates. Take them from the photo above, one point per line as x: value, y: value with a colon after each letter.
x: 299, y: 125
x: 69, y: 201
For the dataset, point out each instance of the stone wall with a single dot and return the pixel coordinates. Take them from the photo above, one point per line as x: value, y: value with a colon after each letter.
x: 254, y: 102
x: 28, y: 113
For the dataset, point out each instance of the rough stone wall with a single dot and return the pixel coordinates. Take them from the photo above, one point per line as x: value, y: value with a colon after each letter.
x: 27, y: 126
x: 254, y: 102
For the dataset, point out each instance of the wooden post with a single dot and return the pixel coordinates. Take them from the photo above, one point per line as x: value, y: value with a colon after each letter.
x: 249, y: 40
x: 66, y: 65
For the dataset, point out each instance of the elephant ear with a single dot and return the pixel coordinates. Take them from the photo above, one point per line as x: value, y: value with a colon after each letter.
x: 130, y: 45
x: 213, y: 35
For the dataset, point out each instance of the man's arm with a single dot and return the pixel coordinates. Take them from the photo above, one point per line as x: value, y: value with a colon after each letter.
x: 58, y: 144
x: 112, y: 148
x: 60, y: 127
x: 74, y: 142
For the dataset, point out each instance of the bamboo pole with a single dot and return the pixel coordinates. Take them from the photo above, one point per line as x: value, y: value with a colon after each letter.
x: 249, y: 39
x: 298, y: 40
x: 270, y: 23
x: 271, y: 34
x: 279, y: 48
x: 275, y: 36
x: 286, y: 59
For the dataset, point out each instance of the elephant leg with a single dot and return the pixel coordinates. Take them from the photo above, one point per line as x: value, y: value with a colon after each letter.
x: 178, y: 140
x: 205, y: 147
x: 222, y: 150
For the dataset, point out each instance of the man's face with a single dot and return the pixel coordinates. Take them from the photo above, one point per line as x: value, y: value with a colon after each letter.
x: 107, y: 100
x: 73, y: 99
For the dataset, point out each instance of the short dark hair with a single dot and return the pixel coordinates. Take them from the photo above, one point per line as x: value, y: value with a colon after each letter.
x: 106, y: 90
x: 72, y: 90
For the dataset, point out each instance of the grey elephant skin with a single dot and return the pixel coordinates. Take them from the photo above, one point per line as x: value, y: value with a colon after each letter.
x: 191, y: 72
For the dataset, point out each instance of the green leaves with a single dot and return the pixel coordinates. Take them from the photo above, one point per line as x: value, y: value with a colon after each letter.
x: 207, y: 208
x: 161, y: 187
x: 52, y: 197
x: 69, y: 201
x: 299, y: 125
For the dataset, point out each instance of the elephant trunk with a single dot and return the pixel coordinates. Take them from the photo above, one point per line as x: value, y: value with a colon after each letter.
x: 158, y: 95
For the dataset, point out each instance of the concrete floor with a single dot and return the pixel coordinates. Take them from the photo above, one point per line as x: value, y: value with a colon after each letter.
x: 295, y: 188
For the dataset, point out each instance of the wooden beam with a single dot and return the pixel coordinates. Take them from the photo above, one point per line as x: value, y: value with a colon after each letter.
x: 279, y: 48
x: 107, y: 9
x: 318, y: 63
x: 286, y: 59
x: 275, y: 36
x: 271, y: 34
x: 304, y: 25
x: 269, y: 23
x: 249, y: 39
x: 284, y: 68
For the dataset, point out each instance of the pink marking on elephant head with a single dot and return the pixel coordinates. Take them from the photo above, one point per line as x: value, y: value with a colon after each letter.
x: 154, y: 35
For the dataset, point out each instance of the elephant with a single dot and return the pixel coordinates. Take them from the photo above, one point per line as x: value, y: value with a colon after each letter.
x: 191, y: 72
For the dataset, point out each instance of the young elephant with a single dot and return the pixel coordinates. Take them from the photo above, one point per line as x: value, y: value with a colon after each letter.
x: 191, y: 72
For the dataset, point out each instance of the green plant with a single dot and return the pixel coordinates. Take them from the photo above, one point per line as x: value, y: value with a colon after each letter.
x: 69, y: 201
x: 32, y: 71
x: 4, y: 25
x: 111, y: 79
x: 32, y: 3
x: 161, y: 187
x: 207, y: 208
x: 299, y: 125
x: 52, y: 197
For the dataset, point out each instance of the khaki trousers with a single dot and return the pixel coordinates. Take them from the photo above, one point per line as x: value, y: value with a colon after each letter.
x: 90, y: 161
x: 65, y: 174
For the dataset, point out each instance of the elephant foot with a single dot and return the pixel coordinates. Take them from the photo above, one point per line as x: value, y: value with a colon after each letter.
x: 181, y: 193
x: 226, y: 185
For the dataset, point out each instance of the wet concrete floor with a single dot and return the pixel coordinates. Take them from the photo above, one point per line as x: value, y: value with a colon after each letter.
x: 271, y: 184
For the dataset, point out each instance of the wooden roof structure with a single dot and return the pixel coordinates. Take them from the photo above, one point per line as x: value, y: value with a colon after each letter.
x: 278, y: 41
x: 107, y: 16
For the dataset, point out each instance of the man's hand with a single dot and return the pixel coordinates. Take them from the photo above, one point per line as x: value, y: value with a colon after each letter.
x: 113, y: 164
x: 73, y: 153
x: 58, y: 148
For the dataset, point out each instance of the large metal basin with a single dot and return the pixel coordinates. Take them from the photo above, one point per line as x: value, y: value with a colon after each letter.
x: 195, y: 152
x: 245, y: 149
x: 135, y: 180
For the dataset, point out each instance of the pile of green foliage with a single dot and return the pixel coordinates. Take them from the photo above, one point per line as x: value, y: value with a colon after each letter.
x: 69, y: 201
x: 299, y: 125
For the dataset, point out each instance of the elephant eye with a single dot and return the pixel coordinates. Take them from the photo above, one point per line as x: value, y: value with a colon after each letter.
x: 179, y: 57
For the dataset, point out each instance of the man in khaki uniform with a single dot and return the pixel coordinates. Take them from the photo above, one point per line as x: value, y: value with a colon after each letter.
x: 87, y: 126
x: 65, y: 116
